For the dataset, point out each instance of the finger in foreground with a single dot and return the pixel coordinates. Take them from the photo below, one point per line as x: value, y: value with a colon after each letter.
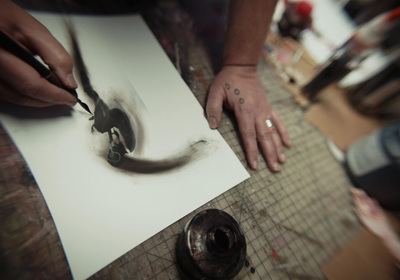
x: 26, y: 81
x: 269, y: 145
x: 7, y: 94
x: 42, y: 42
x: 214, y: 108
x: 281, y: 128
x: 249, y: 137
x: 276, y: 139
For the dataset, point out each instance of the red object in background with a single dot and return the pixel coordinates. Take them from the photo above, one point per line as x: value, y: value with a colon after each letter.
x: 295, y: 19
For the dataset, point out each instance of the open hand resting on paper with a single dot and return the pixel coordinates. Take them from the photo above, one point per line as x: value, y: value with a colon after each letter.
x: 239, y: 89
x: 19, y: 82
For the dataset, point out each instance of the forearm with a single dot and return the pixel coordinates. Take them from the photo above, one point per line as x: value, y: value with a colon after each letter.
x: 249, y: 22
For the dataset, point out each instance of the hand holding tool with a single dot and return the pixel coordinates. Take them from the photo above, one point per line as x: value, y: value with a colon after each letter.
x: 13, y: 47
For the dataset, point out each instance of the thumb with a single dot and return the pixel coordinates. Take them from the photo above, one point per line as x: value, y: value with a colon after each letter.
x: 214, y: 107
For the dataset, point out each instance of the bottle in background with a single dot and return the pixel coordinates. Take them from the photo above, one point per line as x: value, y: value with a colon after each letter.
x: 295, y: 19
x: 350, y: 55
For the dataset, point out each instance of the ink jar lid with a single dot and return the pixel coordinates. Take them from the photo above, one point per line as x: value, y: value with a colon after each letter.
x: 211, y: 246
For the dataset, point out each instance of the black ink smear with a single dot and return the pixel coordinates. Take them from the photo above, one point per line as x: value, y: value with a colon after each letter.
x: 241, y: 100
x: 113, y: 121
x: 147, y: 166
x: 236, y: 91
x: 227, y: 86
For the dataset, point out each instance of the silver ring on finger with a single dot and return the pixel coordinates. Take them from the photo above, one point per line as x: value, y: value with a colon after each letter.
x: 269, y: 123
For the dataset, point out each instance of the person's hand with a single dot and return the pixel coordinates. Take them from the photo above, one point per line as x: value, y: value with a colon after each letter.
x: 239, y: 89
x: 19, y: 82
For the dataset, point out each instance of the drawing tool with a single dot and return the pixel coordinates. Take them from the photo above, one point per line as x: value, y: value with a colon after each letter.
x: 10, y: 45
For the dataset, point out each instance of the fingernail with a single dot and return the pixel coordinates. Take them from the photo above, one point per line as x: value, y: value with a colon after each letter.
x: 212, y: 122
x: 282, y: 158
x: 276, y: 166
x: 71, y: 81
x: 254, y: 165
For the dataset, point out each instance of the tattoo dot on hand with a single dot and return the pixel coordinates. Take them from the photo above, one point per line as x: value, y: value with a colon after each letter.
x: 236, y: 91
x: 241, y: 100
x: 227, y: 86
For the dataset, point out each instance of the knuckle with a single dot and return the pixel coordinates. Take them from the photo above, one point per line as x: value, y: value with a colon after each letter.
x: 212, y: 109
x: 264, y: 136
x: 269, y: 155
x: 28, y: 88
x: 249, y: 134
x: 278, y: 148
x: 250, y: 147
x: 64, y: 60
x: 246, y: 109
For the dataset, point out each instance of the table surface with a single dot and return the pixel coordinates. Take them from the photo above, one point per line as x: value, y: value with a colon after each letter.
x: 294, y: 221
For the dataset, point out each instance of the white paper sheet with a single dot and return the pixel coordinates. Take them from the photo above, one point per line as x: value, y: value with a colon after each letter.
x: 102, y: 212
